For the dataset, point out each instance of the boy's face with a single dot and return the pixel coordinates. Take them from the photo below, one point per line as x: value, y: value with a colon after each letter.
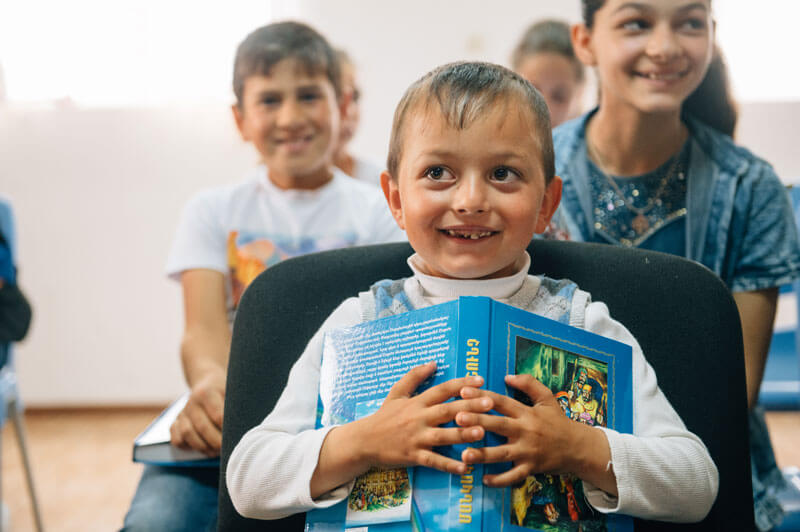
x: 352, y: 114
x: 470, y: 200
x: 554, y: 76
x: 292, y: 118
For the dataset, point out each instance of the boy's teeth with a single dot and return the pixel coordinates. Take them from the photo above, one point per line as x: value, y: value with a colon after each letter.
x: 473, y: 236
x: 653, y: 75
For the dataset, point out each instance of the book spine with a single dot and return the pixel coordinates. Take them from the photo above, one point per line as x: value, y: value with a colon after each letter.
x: 466, y: 491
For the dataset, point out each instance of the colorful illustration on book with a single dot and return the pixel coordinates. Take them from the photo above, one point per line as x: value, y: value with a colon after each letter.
x: 556, y: 503
x: 379, y: 489
x: 379, y: 495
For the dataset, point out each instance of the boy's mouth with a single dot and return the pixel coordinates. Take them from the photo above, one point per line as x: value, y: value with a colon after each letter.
x: 294, y: 144
x: 468, y: 234
x: 663, y: 76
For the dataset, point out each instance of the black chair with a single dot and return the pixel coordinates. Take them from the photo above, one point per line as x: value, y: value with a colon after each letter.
x: 681, y: 313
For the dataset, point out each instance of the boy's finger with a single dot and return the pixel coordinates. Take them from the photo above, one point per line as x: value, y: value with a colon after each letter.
x: 183, y: 435
x: 452, y: 436
x: 515, y: 475
x: 502, y: 425
x: 488, y: 455
x: 442, y: 413
x: 409, y: 382
x: 442, y: 463
x: 508, y: 406
x: 214, y: 405
x: 527, y: 384
x: 444, y: 391
x: 205, y: 428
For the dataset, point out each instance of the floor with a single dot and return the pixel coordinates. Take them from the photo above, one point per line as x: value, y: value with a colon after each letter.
x: 85, y: 478
x: 82, y: 468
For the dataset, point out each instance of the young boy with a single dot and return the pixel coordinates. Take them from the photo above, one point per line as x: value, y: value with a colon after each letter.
x: 288, y: 105
x: 471, y: 179
x: 352, y: 165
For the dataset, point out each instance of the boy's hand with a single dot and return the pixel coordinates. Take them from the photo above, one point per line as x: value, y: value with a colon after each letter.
x: 540, y: 438
x: 406, y: 427
x: 199, y: 425
x: 402, y: 432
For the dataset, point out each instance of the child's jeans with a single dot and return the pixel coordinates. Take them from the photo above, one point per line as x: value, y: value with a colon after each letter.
x: 175, y: 499
x: 767, y: 478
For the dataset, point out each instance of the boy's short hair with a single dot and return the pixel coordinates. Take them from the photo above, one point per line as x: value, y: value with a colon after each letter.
x: 268, y: 45
x: 464, y: 92
x: 547, y: 36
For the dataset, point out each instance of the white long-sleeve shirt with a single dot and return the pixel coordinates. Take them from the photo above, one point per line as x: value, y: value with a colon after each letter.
x: 663, y: 471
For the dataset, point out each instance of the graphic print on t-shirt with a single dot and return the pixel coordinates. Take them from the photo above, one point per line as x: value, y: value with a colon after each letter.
x: 251, y: 253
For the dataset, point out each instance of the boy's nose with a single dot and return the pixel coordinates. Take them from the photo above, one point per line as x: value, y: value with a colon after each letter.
x: 288, y: 114
x: 471, y: 196
x: 663, y: 43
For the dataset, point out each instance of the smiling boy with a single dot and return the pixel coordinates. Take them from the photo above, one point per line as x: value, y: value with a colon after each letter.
x: 288, y: 104
x: 471, y: 179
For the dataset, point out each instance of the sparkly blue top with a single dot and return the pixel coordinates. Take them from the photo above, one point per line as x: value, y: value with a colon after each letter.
x: 738, y: 221
x: 661, y: 203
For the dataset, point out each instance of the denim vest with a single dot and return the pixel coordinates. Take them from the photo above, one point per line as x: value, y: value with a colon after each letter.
x: 739, y: 221
x: 559, y: 300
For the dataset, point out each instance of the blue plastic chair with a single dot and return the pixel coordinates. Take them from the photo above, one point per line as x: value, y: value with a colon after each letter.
x: 11, y: 407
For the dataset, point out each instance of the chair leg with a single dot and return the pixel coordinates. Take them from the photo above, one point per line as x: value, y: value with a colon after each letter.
x: 19, y: 427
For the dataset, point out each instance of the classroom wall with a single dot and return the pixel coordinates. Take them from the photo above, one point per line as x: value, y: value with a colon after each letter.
x: 97, y: 192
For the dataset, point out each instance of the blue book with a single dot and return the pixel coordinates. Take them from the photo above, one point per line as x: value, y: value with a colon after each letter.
x: 589, y: 375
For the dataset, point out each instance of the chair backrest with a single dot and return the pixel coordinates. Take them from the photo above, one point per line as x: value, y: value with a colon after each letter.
x: 681, y: 313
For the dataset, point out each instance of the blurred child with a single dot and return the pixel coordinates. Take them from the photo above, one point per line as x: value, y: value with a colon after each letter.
x: 354, y: 166
x: 654, y: 167
x: 470, y: 179
x: 289, y: 102
x: 544, y: 56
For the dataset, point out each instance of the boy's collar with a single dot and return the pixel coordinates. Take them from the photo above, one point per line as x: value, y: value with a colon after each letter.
x: 262, y: 175
x: 500, y: 288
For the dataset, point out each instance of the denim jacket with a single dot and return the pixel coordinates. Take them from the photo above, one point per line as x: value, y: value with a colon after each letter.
x: 739, y: 222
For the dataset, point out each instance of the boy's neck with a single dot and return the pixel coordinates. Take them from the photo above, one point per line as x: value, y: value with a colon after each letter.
x: 344, y: 162
x: 308, y: 181
x: 629, y: 142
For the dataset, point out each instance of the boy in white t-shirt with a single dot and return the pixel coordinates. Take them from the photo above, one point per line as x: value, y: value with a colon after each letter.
x: 471, y: 179
x: 287, y: 84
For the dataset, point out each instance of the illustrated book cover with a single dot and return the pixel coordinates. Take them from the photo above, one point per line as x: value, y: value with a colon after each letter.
x: 589, y: 375
x: 153, y: 445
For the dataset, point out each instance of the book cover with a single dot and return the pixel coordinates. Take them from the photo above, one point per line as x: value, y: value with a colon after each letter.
x: 589, y: 375
x: 153, y: 445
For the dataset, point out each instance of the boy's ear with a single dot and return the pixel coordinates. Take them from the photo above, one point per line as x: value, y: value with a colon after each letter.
x: 550, y: 201
x: 392, y: 193
x: 582, y: 44
x: 238, y: 117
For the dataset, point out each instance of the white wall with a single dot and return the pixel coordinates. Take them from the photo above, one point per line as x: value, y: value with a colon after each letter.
x: 97, y: 192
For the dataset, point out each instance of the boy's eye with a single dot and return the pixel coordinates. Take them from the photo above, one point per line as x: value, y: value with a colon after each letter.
x: 504, y: 174
x: 693, y: 24
x: 270, y: 100
x: 308, y: 96
x: 438, y: 173
x: 634, y: 25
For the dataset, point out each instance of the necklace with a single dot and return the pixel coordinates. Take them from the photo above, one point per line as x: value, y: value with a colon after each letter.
x: 640, y: 223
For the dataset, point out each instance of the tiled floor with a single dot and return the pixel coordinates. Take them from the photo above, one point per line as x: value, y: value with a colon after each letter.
x: 85, y: 479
